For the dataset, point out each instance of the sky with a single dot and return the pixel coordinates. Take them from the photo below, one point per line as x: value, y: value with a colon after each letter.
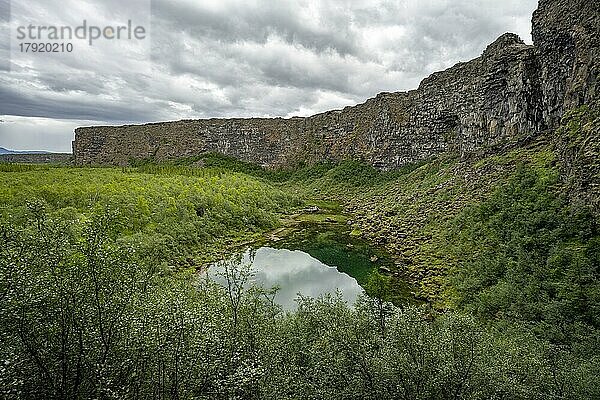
x: 225, y: 58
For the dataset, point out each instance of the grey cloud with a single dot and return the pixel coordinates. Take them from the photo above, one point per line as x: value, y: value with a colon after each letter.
x: 234, y: 58
x: 4, y: 10
x: 19, y: 103
x: 257, y: 21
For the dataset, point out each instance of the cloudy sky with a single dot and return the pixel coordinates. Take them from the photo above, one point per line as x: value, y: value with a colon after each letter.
x: 225, y: 58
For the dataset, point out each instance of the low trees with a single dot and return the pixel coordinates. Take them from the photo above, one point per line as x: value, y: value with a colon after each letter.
x: 86, y: 315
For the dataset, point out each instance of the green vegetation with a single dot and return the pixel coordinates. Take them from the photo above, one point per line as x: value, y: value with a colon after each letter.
x: 526, y: 255
x: 86, y: 315
x: 410, y: 211
x: 100, y: 298
x: 183, y: 213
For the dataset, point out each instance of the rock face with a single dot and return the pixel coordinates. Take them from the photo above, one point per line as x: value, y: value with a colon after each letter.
x: 512, y: 90
x: 567, y: 41
x: 43, y: 158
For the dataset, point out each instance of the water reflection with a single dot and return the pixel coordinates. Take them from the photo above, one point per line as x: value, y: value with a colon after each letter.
x: 295, y: 272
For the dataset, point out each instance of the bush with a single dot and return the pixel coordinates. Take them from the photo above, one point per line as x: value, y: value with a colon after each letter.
x: 526, y: 255
x: 89, y: 316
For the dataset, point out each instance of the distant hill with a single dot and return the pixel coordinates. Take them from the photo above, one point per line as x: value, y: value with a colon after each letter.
x: 7, y: 151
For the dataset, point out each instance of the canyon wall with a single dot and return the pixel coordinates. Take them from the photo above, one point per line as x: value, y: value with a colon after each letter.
x: 44, y: 158
x: 511, y: 91
x: 566, y: 37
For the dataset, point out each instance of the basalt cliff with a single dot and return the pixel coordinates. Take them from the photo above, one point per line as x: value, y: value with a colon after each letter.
x: 513, y: 91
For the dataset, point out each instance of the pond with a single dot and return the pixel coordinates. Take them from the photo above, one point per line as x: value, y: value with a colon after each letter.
x: 295, y: 272
x: 317, y: 256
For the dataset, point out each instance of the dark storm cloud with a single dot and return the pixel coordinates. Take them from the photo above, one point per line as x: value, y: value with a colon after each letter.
x: 16, y: 102
x: 227, y: 58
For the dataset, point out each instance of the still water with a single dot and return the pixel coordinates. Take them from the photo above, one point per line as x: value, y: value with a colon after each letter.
x: 295, y: 272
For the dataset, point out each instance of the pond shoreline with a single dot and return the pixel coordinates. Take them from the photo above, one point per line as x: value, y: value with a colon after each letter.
x: 322, y: 229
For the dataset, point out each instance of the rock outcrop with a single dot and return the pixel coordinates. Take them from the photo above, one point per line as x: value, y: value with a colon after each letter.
x: 566, y: 38
x: 511, y: 91
x: 41, y: 158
